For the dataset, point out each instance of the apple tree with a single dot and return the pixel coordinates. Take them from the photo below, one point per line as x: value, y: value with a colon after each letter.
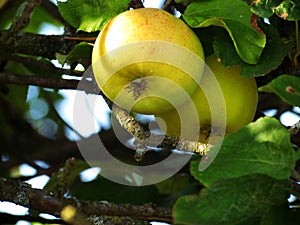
x: 46, y: 50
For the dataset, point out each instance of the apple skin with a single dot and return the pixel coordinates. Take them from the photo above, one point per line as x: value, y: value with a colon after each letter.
x: 240, y: 96
x: 144, y: 59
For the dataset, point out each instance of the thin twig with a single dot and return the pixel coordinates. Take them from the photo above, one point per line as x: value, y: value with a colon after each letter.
x: 42, y: 81
x: 40, y: 65
x: 125, y: 119
x: 134, y: 128
x: 81, y: 38
x: 129, y: 123
x: 295, y: 133
x: 144, y: 141
x: 295, y: 129
x: 54, y: 110
x: 167, y: 4
x: 22, y: 20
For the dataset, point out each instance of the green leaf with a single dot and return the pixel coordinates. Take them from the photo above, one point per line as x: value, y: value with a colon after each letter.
x: 54, y: 182
x: 262, y: 147
x: 272, y: 56
x: 7, y: 15
x: 276, y: 48
x: 40, y: 16
x: 231, y: 201
x: 248, y: 41
x: 81, y: 53
x: 61, y: 58
x: 18, y: 68
x: 50, y: 96
x: 184, y: 2
x: 287, y: 87
x: 287, y: 9
x: 281, y: 215
x: 264, y: 8
x: 35, y: 65
x: 176, y: 186
x: 90, y: 15
x: 224, y: 49
x: 105, y: 190
x: 38, y: 19
x: 297, y: 155
x: 252, y: 220
x: 17, y: 96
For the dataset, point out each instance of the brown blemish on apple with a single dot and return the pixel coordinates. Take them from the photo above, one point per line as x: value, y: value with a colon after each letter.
x: 137, y: 87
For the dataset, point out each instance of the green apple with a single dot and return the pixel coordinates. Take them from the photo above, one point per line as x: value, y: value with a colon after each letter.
x: 147, y: 61
x: 239, y: 96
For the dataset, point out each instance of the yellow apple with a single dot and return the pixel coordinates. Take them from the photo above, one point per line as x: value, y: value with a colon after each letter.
x: 239, y: 96
x: 146, y: 60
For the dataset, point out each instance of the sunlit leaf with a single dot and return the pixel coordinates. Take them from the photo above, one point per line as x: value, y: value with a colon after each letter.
x: 81, y: 53
x: 276, y: 47
x: 90, y: 15
x: 248, y: 40
x: 42, y: 20
x: 261, y: 147
x: 231, y: 201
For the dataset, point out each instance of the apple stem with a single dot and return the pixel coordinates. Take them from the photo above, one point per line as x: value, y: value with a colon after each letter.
x: 80, y: 38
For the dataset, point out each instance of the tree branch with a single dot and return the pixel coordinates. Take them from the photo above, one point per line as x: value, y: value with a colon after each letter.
x: 143, y: 139
x: 41, y: 65
x: 41, y: 81
x: 42, y: 201
x: 35, y: 44
x: 22, y: 20
x: 13, y: 219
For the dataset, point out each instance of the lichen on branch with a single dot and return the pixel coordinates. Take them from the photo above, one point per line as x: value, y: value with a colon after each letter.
x: 35, y: 44
x: 144, y: 140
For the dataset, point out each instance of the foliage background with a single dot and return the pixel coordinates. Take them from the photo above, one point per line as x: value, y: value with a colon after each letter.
x: 257, y: 167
